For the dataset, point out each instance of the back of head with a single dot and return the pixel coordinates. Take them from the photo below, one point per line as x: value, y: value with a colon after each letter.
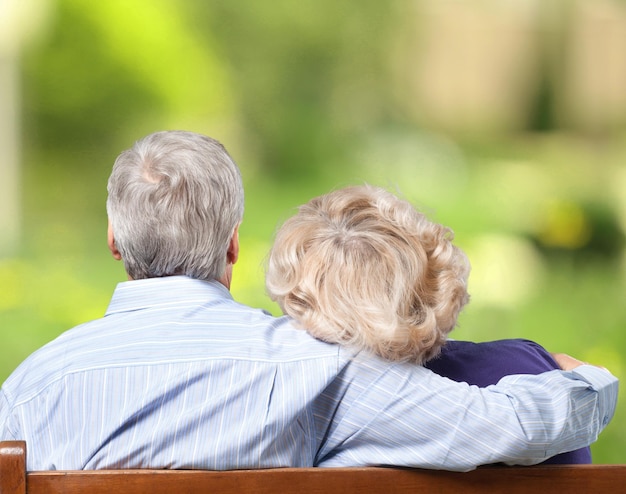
x: 174, y: 201
x: 363, y: 268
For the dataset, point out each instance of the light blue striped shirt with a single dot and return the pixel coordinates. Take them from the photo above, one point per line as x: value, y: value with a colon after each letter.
x: 179, y: 375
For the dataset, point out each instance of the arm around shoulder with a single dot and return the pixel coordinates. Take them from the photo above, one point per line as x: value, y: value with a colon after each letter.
x: 417, y: 418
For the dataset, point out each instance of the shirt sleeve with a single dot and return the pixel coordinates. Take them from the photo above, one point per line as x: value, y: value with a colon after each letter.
x: 585, y: 407
x: 485, y: 363
x: 5, y: 435
x: 406, y: 415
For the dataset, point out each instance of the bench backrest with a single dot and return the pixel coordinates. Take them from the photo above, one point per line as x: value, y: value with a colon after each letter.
x: 510, y: 480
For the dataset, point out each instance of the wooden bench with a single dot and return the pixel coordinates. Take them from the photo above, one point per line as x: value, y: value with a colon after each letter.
x: 14, y: 479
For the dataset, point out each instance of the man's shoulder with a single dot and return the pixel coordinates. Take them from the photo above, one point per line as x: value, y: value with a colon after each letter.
x: 227, y: 333
x: 43, y: 366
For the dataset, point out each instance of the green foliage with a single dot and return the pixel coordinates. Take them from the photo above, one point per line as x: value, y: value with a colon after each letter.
x: 294, y: 66
x: 107, y: 70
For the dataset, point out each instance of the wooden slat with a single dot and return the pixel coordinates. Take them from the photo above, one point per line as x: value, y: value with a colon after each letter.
x: 12, y: 467
x: 580, y: 479
x: 583, y: 479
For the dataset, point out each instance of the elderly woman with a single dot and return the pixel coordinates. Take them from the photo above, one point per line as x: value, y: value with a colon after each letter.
x: 362, y: 268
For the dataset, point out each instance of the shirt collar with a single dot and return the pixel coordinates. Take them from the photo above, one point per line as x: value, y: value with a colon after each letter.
x: 167, y: 291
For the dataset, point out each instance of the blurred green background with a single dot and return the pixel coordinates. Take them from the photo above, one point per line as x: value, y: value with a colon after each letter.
x: 505, y: 120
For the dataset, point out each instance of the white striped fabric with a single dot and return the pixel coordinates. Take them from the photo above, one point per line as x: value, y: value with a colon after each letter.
x: 179, y: 375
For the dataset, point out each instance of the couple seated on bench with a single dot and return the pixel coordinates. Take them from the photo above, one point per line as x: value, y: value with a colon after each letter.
x: 179, y: 375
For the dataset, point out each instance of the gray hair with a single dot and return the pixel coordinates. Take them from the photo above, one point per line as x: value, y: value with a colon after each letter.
x: 363, y: 268
x: 174, y: 201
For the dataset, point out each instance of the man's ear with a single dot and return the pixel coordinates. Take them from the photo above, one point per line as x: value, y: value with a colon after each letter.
x: 111, y: 241
x: 232, y: 254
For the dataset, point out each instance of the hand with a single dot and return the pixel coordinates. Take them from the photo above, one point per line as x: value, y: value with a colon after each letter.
x: 566, y: 362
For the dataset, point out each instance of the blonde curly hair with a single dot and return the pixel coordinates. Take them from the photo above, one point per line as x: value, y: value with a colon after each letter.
x: 363, y: 268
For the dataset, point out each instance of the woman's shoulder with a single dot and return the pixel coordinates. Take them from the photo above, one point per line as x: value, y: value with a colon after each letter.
x: 484, y: 363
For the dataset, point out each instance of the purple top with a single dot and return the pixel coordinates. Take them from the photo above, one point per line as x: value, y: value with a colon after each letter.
x: 486, y: 363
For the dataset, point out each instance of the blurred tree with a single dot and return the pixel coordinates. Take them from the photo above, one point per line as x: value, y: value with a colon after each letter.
x: 582, y: 232
x: 107, y: 68
x: 296, y: 67
x: 19, y: 22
